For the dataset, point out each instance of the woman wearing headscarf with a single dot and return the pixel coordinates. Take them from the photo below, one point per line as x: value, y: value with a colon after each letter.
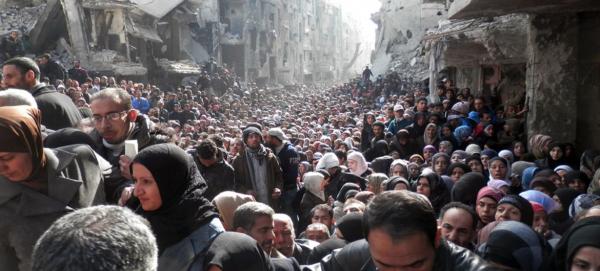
x: 457, y: 170
x: 429, y: 137
x: 514, y: 207
x: 226, y: 202
x: 38, y: 185
x: 538, y: 145
x: 170, y: 194
x: 439, y: 163
x: 246, y: 254
x: 553, y: 157
x: 579, y: 246
x: 577, y: 180
x: 399, y: 168
x: 403, y: 144
x: 374, y: 182
x: 587, y: 163
x: 433, y: 187
x: 314, y: 195
x: 367, y: 131
x: 396, y: 183
x: 357, y: 165
x: 486, y: 205
x: 467, y: 187
x: 514, y: 245
x: 379, y: 149
x: 560, y: 220
x: 463, y: 136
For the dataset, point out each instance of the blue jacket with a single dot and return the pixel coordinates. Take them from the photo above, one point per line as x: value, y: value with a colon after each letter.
x: 396, y: 125
x: 189, y: 253
x: 140, y: 104
x: 289, y: 160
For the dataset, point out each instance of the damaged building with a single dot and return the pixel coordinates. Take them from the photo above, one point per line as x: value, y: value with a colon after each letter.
x: 267, y: 41
x: 517, y: 52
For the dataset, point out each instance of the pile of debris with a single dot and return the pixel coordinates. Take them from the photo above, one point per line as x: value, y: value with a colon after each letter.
x: 183, y: 67
x: 21, y: 19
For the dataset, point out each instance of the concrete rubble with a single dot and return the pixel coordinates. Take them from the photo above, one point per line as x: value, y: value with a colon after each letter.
x: 17, y: 18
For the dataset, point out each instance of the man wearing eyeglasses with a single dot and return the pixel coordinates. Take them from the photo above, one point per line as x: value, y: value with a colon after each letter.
x: 115, y: 121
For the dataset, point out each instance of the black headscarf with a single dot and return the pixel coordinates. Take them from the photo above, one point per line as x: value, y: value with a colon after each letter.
x: 184, y: 208
x: 232, y: 251
x: 20, y: 133
x: 585, y: 232
x: 341, y: 196
x: 560, y: 221
x: 440, y: 195
x: 522, y: 204
x: 467, y: 187
x: 390, y: 185
x: 351, y: 227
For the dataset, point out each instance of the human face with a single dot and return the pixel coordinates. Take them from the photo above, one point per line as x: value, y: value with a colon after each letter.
x: 377, y: 130
x: 457, y: 227
x: 321, y: 216
x: 262, y: 232
x: 485, y: 161
x: 519, y: 149
x: 498, y: 170
x: 440, y: 166
x: 508, y: 212
x: 587, y: 258
x: 476, y: 166
x: 316, y: 235
x: 427, y: 154
x: 284, y: 237
x: 456, y: 173
x: 578, y: 185
x: 421, y: 106
x: 353, y: 208
x: 430, y: 131
x: 13, y: 78
x: 253, y: 141
x: 15, y: 166
x: 352, y: 165
x: 398, y: 170
x: 556, y: 153
x: 145, y: 188
x: 413, y: 252
x: 486, y: 209
x: 478, y: 104
x: 423, y: 187
x: 540, y: 222
x: 114, y: 131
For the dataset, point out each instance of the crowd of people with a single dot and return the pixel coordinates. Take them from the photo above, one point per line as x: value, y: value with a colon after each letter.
x: 107, y: 174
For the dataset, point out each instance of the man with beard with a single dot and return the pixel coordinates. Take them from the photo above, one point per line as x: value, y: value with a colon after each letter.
x: 51, y: 68
x: 78, y: 73
x: 257, y: 170
x: 115, y: 121
x: 58, y: 111
x: 289, y: 159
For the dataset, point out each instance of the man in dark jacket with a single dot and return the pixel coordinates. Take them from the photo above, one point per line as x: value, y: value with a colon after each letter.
x: 78, y: 73
x: 401, y: 231
x: 12, y: 46
x: 286, y: 242
x: 51, y: 68
x: 288, y: 160
x: 219, y: 175
x: 58, y: 110
x: 114, y: 122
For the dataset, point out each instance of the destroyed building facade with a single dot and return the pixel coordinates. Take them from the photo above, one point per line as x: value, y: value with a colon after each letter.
x: 268, y: 41
x: 518, y: 51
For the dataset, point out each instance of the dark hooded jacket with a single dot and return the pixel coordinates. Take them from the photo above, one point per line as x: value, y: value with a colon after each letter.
x: 219, y: 177
x: 58, y: 110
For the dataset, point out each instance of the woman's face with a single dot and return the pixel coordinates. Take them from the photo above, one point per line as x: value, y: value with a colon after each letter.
x: 455, y: 158
x: 456, y: 173
x: 423, y: 187
x: 398, y: 170
x: 508, y: 212
x: 486, y: 209
x: 427, y: 154
x: 578, y: 185
x: 370, y: 120
x: 519, y: 149
x: 15, y: 166
x: 498, y: 170
x: 145, y: 188
x: 440, y: 166
x: 400, y: 186
x: 586, y: 258
x: 476, y: 166
x: 446, y: 131
x: 485, y: 160
x: 352, y: 165
x: 430, y: 131
x: 556, y: 153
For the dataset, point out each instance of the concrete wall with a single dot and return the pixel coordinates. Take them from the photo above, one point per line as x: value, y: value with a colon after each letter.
x: 402, y: 25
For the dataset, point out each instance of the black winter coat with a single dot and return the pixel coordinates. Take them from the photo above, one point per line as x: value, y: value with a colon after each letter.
x: 58, y: 110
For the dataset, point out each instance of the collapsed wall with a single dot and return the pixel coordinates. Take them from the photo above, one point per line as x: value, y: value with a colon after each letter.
x: 401, y: 27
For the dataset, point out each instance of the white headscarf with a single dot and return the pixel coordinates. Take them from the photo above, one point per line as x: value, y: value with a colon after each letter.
x: 312, y: 183
x: 362, y: 165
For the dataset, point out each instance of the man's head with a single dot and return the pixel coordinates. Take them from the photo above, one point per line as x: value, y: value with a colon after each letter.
x: 275, y: 137
x: 76, y: 64
x: 256, y: 220
x: 13, y: 96
x: 378, y: 128
x: 317, y: 232
x: 252, y: 137
x: 112, y: 114
x: 284, y: 234
x: 402, y: 231
x: 458, y: 223
x: 44, y: 59
x: 207, y: 153
x: 113, y: 236
x: 323, y: 214
x: 21, y: 73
